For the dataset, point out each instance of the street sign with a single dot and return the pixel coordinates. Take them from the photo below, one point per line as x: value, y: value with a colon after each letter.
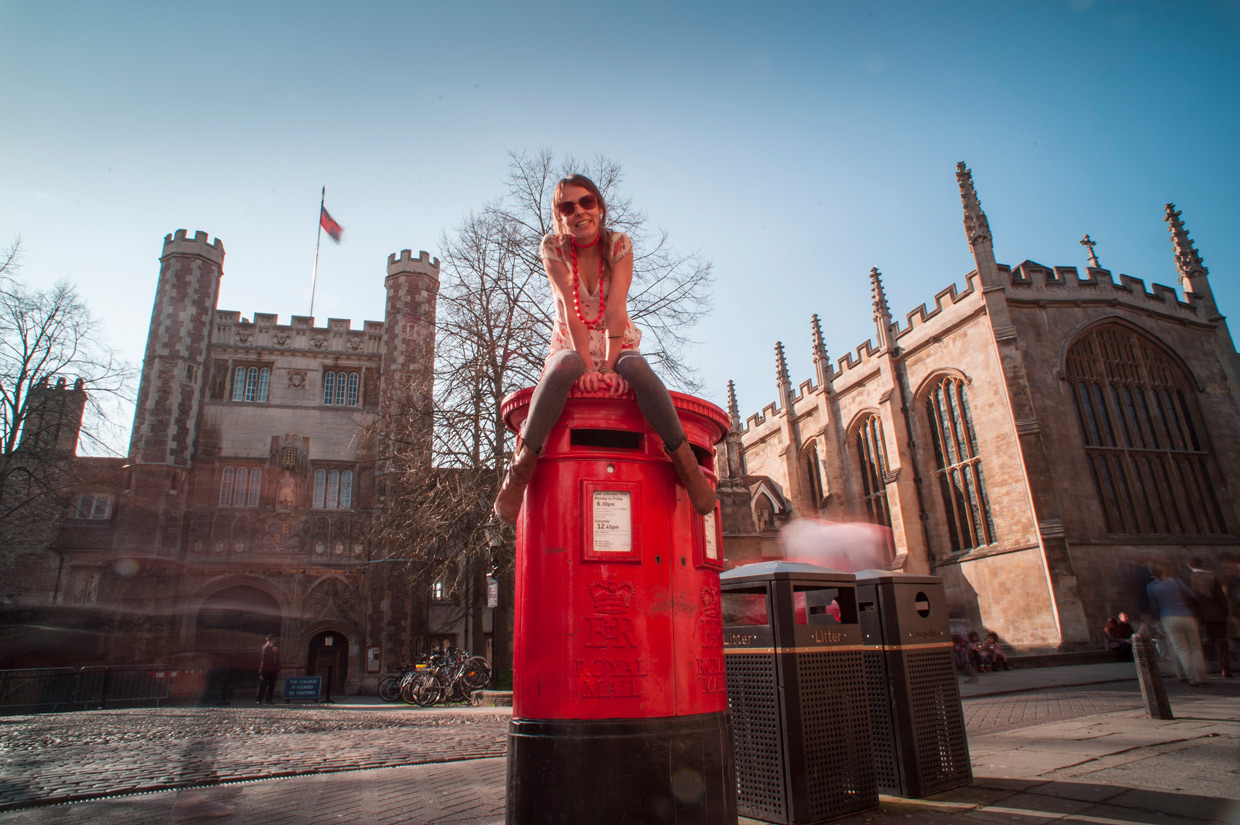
x: 302, y: 687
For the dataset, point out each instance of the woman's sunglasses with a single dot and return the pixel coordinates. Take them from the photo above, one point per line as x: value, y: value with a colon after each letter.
x: 567, y: 208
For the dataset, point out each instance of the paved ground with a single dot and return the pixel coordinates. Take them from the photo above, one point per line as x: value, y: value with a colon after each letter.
x: 1081, y: 751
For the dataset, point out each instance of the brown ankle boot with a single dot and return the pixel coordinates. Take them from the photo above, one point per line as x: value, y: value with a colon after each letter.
x: 508, y: 503
x: 701, y: 494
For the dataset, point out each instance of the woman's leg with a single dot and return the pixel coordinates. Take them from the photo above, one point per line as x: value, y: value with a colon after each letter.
x: 656, y: 405
x: 652, y: 398
x: 561, y: 372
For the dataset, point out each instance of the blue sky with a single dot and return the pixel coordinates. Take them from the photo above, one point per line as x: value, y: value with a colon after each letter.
x: 795, y: 146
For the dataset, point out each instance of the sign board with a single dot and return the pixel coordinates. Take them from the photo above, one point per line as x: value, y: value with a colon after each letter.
x: 613, y: 522
x: 712, y: 546
x: 492, y: 592
x: 302, y: 687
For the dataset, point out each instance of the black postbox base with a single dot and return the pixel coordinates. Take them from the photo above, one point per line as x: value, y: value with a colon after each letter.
x: 677, y: 769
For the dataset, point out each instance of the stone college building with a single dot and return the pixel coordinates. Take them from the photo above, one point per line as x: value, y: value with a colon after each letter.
x: 241, y: 510
x: 1028, y: 438
x: 1031, y: 438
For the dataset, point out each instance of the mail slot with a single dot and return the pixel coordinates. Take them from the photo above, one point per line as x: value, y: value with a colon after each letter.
x: 619, y: 687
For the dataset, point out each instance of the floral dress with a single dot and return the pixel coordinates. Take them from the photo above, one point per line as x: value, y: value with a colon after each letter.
x: 559, y: 248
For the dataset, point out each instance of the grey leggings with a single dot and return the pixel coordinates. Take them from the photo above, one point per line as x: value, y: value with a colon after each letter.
x: 562, y: 371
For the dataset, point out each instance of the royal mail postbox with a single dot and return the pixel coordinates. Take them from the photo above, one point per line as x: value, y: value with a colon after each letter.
x: 619, y: 686
x: 920, y: 743
x: 796, y: 687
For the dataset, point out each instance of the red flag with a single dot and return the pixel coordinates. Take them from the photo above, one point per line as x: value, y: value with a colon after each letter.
x: 329, y: 223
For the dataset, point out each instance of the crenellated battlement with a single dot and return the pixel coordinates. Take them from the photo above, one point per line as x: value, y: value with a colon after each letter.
x: 265, y: 332
x: 1031, y: 278
x: 178, y: 243
x: 406, y: 264
x: 944, y: 299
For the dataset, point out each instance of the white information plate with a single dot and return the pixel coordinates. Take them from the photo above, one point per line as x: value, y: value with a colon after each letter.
x: 712, y: 547
x: 613, y: 521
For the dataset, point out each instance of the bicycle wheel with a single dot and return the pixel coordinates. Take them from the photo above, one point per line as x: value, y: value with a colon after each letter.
x: 389, y: 688
x: 426, y: 689
x: 406, y: 688
x: 476, y: 673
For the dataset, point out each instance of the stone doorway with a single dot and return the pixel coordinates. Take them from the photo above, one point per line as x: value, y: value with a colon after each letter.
x: 329, y: 652
x: 231, y: 628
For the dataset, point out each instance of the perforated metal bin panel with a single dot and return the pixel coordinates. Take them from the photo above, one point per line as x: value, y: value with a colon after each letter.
x: 836, y: 758
x: 757, y: 734
x: 931, y: 723
x: 920, y: 743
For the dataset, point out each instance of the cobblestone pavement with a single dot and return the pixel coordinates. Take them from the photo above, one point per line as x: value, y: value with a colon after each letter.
x: 90, y: 754
x: 74, y: 756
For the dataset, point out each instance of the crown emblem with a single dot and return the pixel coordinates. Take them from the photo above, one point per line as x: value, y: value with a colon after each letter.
x: 611, y: 596
x: 710, y: 603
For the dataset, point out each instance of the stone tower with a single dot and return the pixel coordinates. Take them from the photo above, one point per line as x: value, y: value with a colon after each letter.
x: 407, y: 382
x: 53, y: 418
x: 170, y: 395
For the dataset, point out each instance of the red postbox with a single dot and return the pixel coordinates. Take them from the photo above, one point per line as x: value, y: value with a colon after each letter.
x: 619, y: 685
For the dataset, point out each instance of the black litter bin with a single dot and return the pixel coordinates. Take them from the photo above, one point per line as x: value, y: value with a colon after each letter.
x: 797, y: 692
x: 920, y: 747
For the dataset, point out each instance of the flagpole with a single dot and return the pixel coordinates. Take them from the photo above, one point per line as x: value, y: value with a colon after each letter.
x: 314, y: 279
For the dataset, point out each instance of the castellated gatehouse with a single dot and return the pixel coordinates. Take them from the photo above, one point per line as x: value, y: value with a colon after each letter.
x: 254, y: 469
x: 1034, y: 437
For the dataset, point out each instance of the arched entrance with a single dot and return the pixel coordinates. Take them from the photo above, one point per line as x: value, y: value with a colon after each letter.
x: 329, y: 655
x: 232, y: 625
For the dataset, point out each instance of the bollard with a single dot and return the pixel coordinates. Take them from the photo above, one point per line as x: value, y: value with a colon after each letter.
x: 1153, y: 691
x: 619, y: 692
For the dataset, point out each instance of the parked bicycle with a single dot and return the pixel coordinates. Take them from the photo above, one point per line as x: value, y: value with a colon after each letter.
x: 451, y: 675
x: 389, y: 686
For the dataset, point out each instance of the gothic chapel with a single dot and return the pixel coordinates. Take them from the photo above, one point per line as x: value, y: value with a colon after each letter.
x: 1033, y: 439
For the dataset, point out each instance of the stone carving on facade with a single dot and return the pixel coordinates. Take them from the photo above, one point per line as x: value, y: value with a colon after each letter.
x: 333, y: 597
x: 297, y: 379
x: 281, y: 339
x: 243, y: 337
x: 356, y: 345
x: 318, y: 342
x: 286, y: 492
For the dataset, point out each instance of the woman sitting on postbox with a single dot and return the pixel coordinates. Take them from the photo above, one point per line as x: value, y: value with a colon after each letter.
x: 593, y: 343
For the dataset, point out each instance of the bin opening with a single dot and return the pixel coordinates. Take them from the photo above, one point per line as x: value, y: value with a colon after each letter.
x: 605, y: 439
x: 824, y: 605
x: 745, y: 607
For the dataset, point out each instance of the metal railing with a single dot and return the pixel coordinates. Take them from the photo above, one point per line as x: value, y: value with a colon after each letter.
x: 49, y: 690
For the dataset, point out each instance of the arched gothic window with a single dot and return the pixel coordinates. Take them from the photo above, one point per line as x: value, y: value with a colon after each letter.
x: 341, y: 388
x: 958, y: 466
x: 1143, y: 436
x: 333, y: 489
x: 250, y: 384
x: 811, y: 468
x: 241, y: 487
x: 226, y: 487
x: 872, y: 455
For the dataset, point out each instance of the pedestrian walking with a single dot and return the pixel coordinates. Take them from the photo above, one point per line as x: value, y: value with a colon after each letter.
x: 1174, y: 604
x: 1212, y: 610
x: 268, y: 669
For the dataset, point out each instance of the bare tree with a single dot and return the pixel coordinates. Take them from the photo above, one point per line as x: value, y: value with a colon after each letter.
x: 60, y: 384
x: 494, y: 320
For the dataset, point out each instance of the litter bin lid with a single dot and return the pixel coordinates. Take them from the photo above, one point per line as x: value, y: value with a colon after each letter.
x: 780, y: 570
x: 895, y: 576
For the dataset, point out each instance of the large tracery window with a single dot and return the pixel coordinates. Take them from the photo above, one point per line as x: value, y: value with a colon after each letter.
x: 1143, y: 437
x: 873, y: 457
x: 958, y: 466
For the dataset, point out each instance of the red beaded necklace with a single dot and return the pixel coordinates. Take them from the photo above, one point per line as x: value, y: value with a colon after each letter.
x: 597, y: 323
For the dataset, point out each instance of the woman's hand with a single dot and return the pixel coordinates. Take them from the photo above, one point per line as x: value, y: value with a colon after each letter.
x: 591, y: 381
x: 618, y: 385
x: 595, y: 380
